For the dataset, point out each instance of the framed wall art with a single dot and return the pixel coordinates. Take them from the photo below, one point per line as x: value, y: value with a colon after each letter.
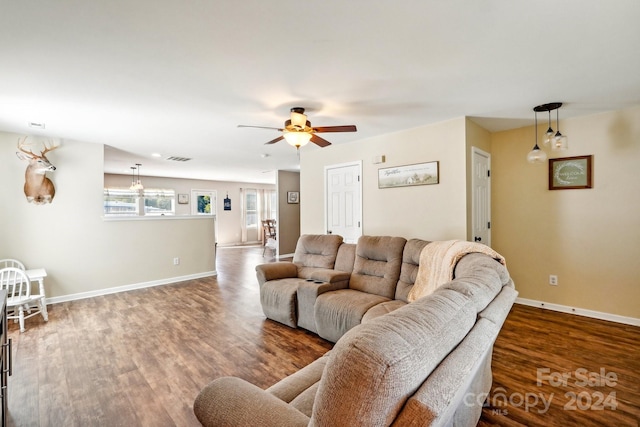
x: 293, y: 197
x: 569, y: 173
x: 409, y: 175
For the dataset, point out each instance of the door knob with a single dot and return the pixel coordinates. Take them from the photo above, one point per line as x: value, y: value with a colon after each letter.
x: 477, y: 239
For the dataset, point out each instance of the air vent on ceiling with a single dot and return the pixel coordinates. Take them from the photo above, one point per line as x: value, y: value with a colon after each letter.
x: 178, y: 159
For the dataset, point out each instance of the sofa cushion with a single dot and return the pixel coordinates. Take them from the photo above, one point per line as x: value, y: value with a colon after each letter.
x: 317, y: 250
x: 346, y: 257
x: 378, y: 365
x: 463, y: 376
x: 376, y: 268
x: 338, y: 311
x: 409, y: 269
x: 382, y: 309
x: 479, y: 277
x: 308, y: 293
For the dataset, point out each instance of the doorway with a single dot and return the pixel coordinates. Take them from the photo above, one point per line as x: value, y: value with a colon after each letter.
x: 343, y: 200
x: 481, y: 196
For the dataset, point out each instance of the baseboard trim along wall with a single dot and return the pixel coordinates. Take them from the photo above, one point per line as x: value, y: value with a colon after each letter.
x: 580, y: 311
x: 114, y: 290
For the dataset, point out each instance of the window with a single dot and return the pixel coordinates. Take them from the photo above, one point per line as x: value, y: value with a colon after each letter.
x: 272, y: 208
x: 251, y: 208
x: 159, y: 202
x: 152, y: 202
x: 120, y: 202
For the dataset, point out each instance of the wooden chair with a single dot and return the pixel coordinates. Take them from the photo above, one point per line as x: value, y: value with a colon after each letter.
x: 18, y: 287
x: 269, y: 234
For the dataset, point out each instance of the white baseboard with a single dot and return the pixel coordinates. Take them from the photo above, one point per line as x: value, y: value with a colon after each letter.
x: 580, y: 311
x: 107, y: 291
x: 285, y: 256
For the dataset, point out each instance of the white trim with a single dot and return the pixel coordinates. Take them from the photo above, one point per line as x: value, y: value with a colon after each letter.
x: 124, y: 288
x: 285, y: 256
x: 154, y: 217
x: 580, y: 311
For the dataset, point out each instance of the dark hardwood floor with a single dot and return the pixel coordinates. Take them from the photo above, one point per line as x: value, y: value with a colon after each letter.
x: 139, y: 358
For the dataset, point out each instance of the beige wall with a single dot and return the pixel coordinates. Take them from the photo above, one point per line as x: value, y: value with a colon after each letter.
x: 288, y: 213
x: 433, y: 212
x: 82, y: 252
x: 590, y: 238
x: 229, y: 223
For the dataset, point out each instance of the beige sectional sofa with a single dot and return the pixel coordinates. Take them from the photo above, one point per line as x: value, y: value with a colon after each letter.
x: 395, y: 362
x: 333, y: 286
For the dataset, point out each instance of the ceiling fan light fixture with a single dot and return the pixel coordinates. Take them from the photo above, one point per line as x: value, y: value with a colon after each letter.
x: 298, y: 118
x: 297, y: 130
x: 297, y: 139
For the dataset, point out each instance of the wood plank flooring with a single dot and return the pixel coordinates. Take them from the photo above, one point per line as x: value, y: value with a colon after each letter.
x: 139, y: 358
x: 588, y: 370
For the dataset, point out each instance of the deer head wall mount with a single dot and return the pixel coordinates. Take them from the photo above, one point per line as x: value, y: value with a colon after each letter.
x: 37, y: 187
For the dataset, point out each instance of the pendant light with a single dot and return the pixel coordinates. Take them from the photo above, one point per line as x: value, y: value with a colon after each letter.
x: 133, y: 178
x: 548, y: 137
x: 557, y: 141
x: 536, y: 155
x: 560, y: 141
x: 138, y: 185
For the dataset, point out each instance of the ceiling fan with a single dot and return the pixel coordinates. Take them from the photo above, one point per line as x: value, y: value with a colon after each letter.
x: 297, y: 131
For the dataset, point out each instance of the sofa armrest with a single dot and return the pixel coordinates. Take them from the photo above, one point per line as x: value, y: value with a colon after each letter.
x: 275, y: 271
x: 331, y: 276
x: 307, y: 294
x: 230, y: 401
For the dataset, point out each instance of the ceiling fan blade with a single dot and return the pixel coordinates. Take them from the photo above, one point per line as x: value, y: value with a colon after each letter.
x: 260, y: 127
x: 321, y: 142
x: 273, y: 141
x: 347, y: 128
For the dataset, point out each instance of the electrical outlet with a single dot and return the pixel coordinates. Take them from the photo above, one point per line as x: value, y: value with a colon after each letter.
x: 553, y: 280
x: 176, y: 261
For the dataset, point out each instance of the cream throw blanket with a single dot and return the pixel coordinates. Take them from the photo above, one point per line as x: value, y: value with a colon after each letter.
x: 438, y: 260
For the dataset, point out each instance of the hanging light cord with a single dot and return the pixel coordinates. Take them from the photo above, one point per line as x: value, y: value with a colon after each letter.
x: 536, y: 121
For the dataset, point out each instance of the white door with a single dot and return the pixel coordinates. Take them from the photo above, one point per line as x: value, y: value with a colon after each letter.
x: 481, y: 196
x: 343, y: 189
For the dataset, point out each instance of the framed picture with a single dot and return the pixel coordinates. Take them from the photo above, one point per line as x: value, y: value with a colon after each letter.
x: 409, y: 175
x: 183, y: 199
x: 570, y: 173
x: 293, y: 197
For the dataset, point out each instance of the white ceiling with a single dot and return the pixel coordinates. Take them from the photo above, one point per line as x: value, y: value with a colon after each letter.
x: 177, y: 77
